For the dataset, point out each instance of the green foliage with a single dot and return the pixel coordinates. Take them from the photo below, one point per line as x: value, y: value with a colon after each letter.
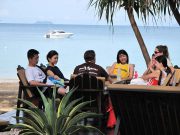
x: 50, y: 122
x: 143, y: 8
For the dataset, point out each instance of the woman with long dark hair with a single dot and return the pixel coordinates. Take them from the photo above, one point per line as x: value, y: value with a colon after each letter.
x: 122, y: 64
x: 53, y: 72
x: 163, y: 50
x: 159, y: 71
x: 159, y: 74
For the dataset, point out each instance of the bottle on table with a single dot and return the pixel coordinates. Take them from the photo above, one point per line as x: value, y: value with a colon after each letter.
x: 119, y: 74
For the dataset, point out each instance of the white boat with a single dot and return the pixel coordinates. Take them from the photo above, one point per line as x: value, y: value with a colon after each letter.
x: 58, y: 34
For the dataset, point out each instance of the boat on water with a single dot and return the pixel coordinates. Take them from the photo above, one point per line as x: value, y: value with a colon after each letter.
x: 58, y: 34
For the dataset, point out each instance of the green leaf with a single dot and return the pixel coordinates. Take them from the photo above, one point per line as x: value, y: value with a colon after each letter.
x: 47, y: 122
x: 49, y: 107
x: 60, y: 122
x: 30, y: 122
x: 70, y: 106
x: 74, y: 129
x: 28, y: 103
x: 64, y: 101
x: 73, y: 112
x: 34, y: 115
x: 25, y: 126
x: 81, y: 116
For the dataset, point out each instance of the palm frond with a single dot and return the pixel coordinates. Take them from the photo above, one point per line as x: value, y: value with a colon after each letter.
x: 141, y: 7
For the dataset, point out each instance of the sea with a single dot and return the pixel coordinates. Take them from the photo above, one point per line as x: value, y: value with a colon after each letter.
x: 106, y: 41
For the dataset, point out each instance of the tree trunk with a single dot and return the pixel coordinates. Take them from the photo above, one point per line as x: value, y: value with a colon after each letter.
x: 175, y: 11
x: 138, y: 35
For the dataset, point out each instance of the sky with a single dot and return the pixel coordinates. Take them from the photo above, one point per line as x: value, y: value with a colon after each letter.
x: 61, y: 12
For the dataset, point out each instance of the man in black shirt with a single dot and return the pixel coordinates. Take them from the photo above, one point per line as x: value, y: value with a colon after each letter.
x: 90, y: 67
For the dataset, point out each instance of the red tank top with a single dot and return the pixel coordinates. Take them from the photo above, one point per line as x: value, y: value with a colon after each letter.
x: 153, y: 81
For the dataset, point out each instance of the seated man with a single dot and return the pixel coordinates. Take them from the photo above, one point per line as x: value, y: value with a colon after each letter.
x: 35, y: 76
x: 90, y: 67
x: 93, y: 69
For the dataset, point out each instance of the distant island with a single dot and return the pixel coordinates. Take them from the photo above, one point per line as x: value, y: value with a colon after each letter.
x: 43, y: 22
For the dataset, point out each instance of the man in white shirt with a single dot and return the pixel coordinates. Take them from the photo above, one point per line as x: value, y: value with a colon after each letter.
x: 35, y: 76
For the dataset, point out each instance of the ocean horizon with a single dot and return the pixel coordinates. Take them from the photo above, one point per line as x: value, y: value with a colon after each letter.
x: 17, y: 39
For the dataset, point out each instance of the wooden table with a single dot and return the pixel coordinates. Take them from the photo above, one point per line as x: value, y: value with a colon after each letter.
x: 146, y: 110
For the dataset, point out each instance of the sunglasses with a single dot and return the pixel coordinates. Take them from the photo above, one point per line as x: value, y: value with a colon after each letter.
x: 155, y: 52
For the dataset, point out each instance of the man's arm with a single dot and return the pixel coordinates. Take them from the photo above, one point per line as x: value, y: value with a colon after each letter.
x: 35, y: 83
x: 76, y: 70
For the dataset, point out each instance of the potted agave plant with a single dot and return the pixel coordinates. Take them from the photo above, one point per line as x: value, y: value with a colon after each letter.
x: 51, y: 122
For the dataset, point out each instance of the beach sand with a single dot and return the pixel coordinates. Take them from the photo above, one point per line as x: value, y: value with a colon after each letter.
x: 8, y: 94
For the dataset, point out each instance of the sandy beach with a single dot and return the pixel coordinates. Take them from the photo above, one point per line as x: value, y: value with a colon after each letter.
x: 8, y: 94
x: 8, y: 99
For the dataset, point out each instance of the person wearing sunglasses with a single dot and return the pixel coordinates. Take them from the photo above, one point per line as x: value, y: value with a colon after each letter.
x: 163, y: 50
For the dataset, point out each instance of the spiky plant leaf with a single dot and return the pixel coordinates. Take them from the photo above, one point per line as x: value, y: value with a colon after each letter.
x: 30, y: 104
x: 74, y: 111
x: 60, y: 122
x: 76, y: 128
x: 70, y: 105
x: 30, y: 122
x: 64, y: 101
x: 25, y: 127
x: 50, y: 110
x: 36, y: 117
x: 47, y: 122
x: 78, y: 107
x: 81, y: 116
x: 26, y: 131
